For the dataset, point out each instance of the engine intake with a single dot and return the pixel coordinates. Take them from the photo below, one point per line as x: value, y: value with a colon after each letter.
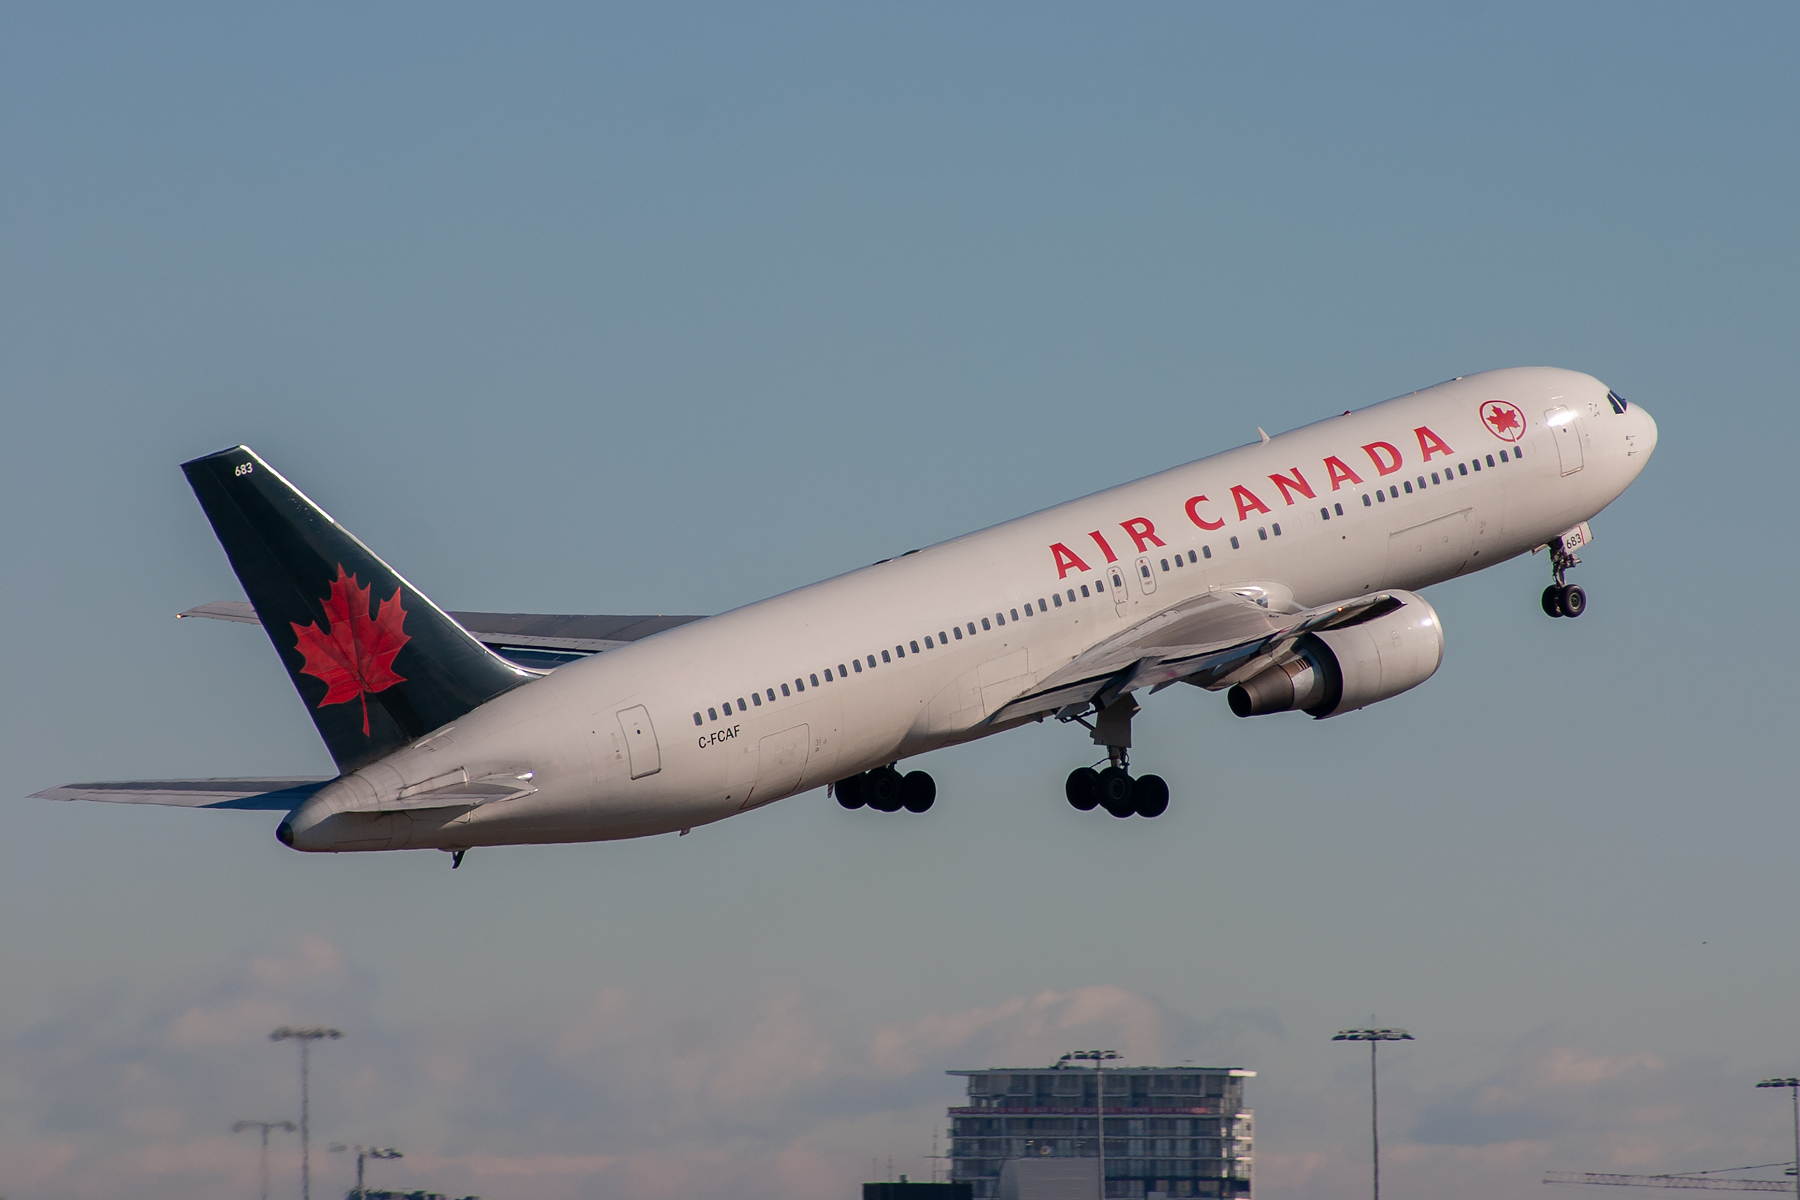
x: 1350, y: 667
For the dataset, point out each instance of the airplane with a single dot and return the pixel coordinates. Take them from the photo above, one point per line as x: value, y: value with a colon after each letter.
x: 1285, y: 573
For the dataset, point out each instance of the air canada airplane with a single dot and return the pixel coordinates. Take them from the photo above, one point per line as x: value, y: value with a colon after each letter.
x: 1284, y: 573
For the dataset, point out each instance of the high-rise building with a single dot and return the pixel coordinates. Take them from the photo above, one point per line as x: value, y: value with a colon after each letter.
x: 1170, y: 1131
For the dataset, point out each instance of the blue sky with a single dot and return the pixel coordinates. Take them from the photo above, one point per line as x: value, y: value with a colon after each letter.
x: 669, y: 309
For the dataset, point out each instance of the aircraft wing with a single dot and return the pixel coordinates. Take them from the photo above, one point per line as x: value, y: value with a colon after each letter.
x: 265, y: 795
x: 539, y: 642
x: 1211, y: 641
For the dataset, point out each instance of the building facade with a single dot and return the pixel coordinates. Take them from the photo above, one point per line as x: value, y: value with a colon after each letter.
x: 1170, y: 1131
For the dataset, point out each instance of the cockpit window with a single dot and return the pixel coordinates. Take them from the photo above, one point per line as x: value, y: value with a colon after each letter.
x: 1618, y: 402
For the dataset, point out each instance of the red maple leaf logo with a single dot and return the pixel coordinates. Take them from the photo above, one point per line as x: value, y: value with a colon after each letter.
x: 353, y: 654
x: 1506, y: 421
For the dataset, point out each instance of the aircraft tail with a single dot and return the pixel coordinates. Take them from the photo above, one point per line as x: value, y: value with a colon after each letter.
x: 376, y: 663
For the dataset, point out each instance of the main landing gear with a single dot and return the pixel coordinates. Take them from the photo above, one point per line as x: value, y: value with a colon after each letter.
x: 1113, y: 788
x: 886, y: 790
x: 1563, y: 599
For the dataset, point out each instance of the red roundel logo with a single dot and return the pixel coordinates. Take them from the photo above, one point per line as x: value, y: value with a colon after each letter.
x: 1503, y: 420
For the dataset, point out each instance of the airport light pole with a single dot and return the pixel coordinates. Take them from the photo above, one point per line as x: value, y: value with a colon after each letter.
x: 1374, y: 1037
x: 1793, y: 1086
x: 306, y: 1037
x: 362, y: 1153
x: 264, y: 1126
x: 1099, y: 1058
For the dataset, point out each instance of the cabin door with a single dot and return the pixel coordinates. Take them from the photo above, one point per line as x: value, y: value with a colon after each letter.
x: 1565, y: 427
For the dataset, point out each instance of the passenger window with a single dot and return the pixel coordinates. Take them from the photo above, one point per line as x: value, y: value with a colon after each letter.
x: 885, y: 658
x: 1206, y: 550
x: 958, y: 631
x: 1276, y: 526
x: 1144, y: 569
x: 1324, y: 514
x: 1028, y: 608
x: 1014, y: 612
x: 929, y: 644
x: 871, y: 662
x: 696, y: 718
x: 1490, y: 460
x: 841, y: 671
x: 1261, y: 533
x: 915, y: 646
x: 1191, y: 557
x: 1518, y: 453
x: 771, y: 695
x: 815, y: 680
x: 1041, y: 606
x: 1057, y: 596
x: 899, y: 651
x: 1381, y: 497
x: 971, y: 629
x: 1165, y: 563
x: 1394, y: 492
x: 1084, y: 591
x: 984, y: 623
x: 1503, y: 456
x: 1234, y: 542
x: 784, y: 690
x: 799, y: 685
x: 1421, y: 483
x: 740, y: 704
x: 1366, y: 500
x: 827, y: 674
x: 1409, y: 489
x: 942, y: 640
x: 1338, y: 508
x: 756, y: 699
x: 1072, y: 595
x: 712, y: 714
x: 1462, y: 468
x: 1434, y: 477
x: 857, y: 663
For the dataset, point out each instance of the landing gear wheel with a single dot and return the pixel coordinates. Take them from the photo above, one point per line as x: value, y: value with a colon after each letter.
x: 1553, y: 601
x: 850, y: 792
x: 1573, y: 601
x: 1083, y: 788
x: 917, y: 791
x: 1115, y: 792
x: 883, y: 788
x: 1150, y: 796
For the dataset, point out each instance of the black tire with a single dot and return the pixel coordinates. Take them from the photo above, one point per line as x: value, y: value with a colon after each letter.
x: 1115, y: 792
x: 883, y: 789
x: 917, y: 791
x: 1573, y: 601
x: 1150, y: 796
x: 1553, y: 601
x: 1083, y: 788
x: 850, y: 791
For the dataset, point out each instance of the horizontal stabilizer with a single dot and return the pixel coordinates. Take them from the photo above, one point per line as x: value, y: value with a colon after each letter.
x: 533, y: 640
x: 265, y: 795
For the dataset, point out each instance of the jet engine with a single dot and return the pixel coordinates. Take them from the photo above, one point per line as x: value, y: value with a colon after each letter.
x: 1340, y: 670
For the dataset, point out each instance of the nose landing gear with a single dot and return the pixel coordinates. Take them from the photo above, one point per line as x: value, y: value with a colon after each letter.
x: 1113, y: 788
x: 1562, y: 598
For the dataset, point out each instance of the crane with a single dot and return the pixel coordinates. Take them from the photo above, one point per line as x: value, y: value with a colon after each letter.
x: 1669, y: 1181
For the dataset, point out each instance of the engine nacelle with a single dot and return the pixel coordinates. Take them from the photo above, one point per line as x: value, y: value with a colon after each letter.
x: 1344, y: 669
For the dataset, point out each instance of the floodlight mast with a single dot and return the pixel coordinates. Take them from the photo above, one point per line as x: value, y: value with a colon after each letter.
x: 1099, y: 1058
x: 1792, y: 1084
x: 363, y: 1153
x: 263, y: 1163
x: 1374, y: 1037
x: 306, y: 1037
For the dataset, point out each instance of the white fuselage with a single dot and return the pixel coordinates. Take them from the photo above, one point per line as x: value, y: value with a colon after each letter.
x: 780, y: 696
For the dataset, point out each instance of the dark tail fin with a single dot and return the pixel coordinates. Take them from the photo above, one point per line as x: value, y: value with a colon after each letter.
x: 375, y: 661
